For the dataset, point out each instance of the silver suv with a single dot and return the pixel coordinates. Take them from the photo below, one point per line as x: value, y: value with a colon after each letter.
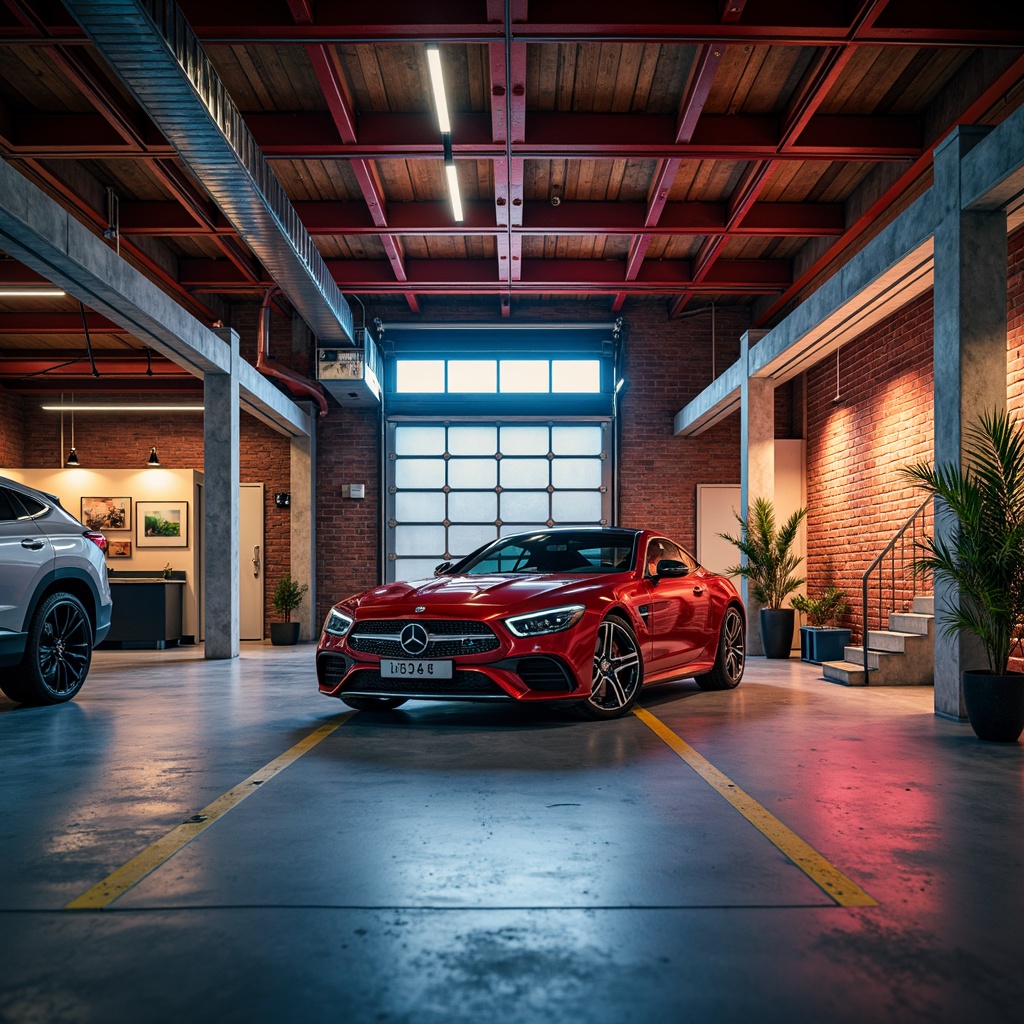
x: 54, y: 596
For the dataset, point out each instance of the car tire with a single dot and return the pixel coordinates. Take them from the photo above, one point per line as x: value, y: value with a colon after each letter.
x: 57, y: 655
x: 618, y: 672
x: 375, y: 703
x: 731, y: 657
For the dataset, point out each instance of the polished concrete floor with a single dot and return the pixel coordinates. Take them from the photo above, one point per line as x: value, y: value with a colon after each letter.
x: 456, y: 863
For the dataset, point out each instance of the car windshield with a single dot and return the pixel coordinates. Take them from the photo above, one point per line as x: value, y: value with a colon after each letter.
x: 563, y: 551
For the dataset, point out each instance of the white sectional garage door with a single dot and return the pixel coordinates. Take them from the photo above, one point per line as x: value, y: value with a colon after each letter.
x: 453, y: 485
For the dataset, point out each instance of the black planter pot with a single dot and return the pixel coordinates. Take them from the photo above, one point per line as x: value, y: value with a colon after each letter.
x: 995, y: 705
x: 777, y: 631
x: 284, y: 634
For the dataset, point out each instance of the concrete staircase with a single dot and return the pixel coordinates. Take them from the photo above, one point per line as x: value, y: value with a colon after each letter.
x: 902, y: 655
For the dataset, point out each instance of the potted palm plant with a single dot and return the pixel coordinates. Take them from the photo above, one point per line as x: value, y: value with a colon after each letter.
x: 982, y: 560
x: 822, y: 639
x: 287, y: 597
x: 769, y: 567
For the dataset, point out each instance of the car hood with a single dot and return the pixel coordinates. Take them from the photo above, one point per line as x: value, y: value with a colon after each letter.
x: 472, y: 596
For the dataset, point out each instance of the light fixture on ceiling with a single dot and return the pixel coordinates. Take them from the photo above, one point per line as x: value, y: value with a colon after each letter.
x: 437, y: 84
x: 154, y: 459
x: 444, y: 123
x: 31, y: 293
x: 72, y: 459
x: 100, y: 407
x: 453, y: 180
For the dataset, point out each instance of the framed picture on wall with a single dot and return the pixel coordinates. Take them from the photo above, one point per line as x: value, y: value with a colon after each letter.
x: 119, y: 549
x: 107, y: 513
x: 161, y: 524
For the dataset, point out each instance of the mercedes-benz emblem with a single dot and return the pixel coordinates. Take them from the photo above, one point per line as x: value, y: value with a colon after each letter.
x: 414, y: 639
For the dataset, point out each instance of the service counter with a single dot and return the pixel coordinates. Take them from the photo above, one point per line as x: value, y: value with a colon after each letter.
x: 147, y: 611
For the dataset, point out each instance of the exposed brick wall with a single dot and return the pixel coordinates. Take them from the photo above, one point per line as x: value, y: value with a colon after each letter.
x: 1015, y: 342
x: 348, y: 535
x: 668, y: 363
x: 1015, y: 323
x: 12, y: 430
x: 856, y: 496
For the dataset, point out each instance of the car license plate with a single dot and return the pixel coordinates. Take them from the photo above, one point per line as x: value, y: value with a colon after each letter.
x: 391, y: 669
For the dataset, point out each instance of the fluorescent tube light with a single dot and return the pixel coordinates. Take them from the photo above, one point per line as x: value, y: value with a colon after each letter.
x: 125, y: 408
x: 31, y: 293
x: 453, y: 191
x: 437, y: 83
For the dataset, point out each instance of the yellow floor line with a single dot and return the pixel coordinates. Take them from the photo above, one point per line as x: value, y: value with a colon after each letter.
x: 120, y: 881
x: 805, y: 857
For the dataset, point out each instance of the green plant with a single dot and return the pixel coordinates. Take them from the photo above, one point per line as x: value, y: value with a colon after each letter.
x: 288, y: 596
x: 825, y: 610
x: 770, y: 561
x: 983, y: 557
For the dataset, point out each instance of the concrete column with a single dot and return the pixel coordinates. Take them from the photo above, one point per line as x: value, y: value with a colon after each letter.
x: 970, y: 361
x: 303, y: 526
x: 220, y: 507
x: 757, y: 461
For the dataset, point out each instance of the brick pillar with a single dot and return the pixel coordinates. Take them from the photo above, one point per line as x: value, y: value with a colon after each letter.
x: 970, y: 361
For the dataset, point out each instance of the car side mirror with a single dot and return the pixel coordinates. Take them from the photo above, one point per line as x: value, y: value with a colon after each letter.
x: 442, y: 569
x: 672, y: 567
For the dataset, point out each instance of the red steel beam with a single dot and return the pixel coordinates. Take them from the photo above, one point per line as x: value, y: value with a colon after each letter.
x: 796, y: 129
x: 106, y: 384
x: 691, y: 107
x: 55, y: 323
x: 78, y: 365
x: 438, y: 276
x: 70, y: 197
x: 550, y: 136
x: 243, y: 23
x: 236, y: 21
x: 797, y: 220
x: 870, y: 218
x: 507, y: 77
x: 339, y: 103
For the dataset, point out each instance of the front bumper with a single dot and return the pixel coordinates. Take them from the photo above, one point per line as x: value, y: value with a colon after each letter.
x: 536, y: 676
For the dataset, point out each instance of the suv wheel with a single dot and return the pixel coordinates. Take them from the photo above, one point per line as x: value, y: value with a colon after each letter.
x: 57, y: 655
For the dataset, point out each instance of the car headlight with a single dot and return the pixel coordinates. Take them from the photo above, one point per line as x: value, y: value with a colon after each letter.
x: 551, y: 620
x: 338, y: 623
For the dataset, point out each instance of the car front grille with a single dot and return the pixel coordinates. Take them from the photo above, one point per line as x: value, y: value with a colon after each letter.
x: 465, y: 684
x: 446, y: 638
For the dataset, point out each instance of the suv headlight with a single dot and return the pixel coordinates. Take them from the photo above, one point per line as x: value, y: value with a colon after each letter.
x: 551, y: 620
x: 338, y: 623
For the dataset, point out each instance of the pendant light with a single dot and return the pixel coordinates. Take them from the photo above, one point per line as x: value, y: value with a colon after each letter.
x: 72, y: 459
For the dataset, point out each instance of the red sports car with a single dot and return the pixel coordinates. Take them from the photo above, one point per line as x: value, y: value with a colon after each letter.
x: 581, y: 617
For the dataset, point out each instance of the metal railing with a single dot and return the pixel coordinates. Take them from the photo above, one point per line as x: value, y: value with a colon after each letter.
x: 894, y: 573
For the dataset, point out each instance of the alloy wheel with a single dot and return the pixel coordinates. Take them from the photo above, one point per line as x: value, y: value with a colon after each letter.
x: 65, y: 648
x: 617, y: 668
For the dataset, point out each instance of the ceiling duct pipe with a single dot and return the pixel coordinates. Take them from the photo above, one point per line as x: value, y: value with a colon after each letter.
x: 154, y: 51
x: 295, y: 382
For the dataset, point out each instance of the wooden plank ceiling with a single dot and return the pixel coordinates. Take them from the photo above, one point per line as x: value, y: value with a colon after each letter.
x: 700, y: 152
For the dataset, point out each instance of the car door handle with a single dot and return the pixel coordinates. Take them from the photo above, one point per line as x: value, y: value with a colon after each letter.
x: 697, y: 591
x: 32, y: 543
